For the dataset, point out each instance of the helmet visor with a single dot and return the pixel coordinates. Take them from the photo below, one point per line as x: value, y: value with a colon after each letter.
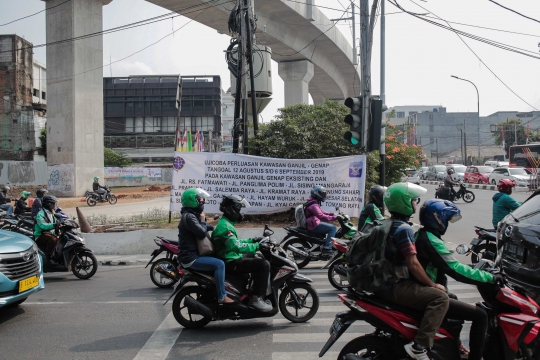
x: 202, y: 193
x: 455, y: 218
x: 245, y: 203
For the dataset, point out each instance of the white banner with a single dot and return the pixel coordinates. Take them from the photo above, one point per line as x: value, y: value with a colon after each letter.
x: 270, y: 185
x: 116, y: 172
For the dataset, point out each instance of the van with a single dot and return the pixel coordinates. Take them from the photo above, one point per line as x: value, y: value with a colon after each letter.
x: 491, y: 163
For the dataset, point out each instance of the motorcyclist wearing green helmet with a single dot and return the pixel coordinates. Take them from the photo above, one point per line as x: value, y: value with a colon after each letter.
x: 21, y: 207
x: 97, y: 188
x: 191, y: 227
x: 414, y: 288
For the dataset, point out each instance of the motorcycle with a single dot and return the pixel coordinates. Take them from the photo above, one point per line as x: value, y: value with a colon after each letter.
x: 445, y: 193
x: 513, y: 326
x: 484, y: 246
x: 337, y: 267
x: 92, y: 198
x: 195, y: 306
x: 304, y: 246
x: 164, y: 271
x: 71, y: 252
x: 24, y: 224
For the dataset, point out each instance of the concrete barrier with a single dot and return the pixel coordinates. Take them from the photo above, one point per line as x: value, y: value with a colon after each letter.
x: 142, y: 241
x: 23, y: 172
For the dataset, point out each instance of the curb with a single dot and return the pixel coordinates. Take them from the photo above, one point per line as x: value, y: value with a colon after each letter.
x: 478, y: 186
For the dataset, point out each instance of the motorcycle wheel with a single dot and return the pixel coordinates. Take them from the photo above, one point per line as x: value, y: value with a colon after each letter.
x: 335, y: 279
x: 468, y: 197
x: 112, y: 199
x: 371, y: 347
x: 86, y: 267
x: 302, y: 292
x: 300, y: 260
x: 159, y: 279
x: 181, y: 312
x: 479, y: 252
x: 91, y: 201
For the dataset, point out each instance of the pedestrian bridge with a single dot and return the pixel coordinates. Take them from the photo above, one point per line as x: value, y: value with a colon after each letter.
x: 313, y: 55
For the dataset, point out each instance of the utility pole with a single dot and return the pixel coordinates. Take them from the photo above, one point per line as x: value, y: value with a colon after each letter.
x: 250, y: 41
x: 382, y: 150
x: 465, y: 143
x: 437, y: 147
x: 352, y: 18
x: 515, y: 133
x: 365, y: 83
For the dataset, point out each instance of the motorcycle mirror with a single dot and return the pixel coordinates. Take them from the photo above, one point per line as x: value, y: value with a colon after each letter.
x: 216, y: 217
x: 462, y: 249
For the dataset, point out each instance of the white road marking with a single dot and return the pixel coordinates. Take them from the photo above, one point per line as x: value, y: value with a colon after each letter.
x: 312, y: 337
x: 313, y: 322
x: 94, y: 302
x: 306, y: 355
x: 162, y: 340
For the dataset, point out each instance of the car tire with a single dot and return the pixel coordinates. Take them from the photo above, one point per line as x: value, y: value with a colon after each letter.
x: 480, y: 182
x: 493, y: 182
x: 466, y: 181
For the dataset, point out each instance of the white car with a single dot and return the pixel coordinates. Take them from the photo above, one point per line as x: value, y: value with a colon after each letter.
x: 520, y: 175
x: 459, y: 171
x: 422, y: 172
x: 411, y: 176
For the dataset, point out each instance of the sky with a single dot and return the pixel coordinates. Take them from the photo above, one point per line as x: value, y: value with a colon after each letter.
x: 420, y: 57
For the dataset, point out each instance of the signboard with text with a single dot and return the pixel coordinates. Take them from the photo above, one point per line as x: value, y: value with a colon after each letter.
x: 270, y: 185
x: 116, y: 172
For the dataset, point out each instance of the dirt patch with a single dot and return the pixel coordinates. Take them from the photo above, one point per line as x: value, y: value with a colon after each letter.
x: 124, y: 195
x: 154, y: 188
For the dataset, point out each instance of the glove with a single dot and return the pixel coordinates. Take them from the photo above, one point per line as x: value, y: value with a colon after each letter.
x: 257, y: 239
x: 498, y: 279
x: 266, y: 246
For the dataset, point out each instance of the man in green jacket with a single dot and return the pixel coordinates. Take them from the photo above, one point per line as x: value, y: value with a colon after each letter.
x: 231, y: 250
x: 503, y: 203
x: 45, y: 225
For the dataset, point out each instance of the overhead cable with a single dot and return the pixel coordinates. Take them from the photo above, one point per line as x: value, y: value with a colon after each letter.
x: 514, y: 11
x: 39, y: 12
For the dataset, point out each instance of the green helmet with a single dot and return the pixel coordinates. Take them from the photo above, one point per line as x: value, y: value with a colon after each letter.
x: 25, y: 194
x: 398, y: 197
x: 96, y: 178
x: 194, y: 198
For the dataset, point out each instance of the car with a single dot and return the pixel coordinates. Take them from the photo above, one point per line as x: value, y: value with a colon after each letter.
x: 422, y: 172
x: 436, y: 173
x: 496, y: 163
x: 459, y: 171
x: 518, y: 235
x: 411, y: 176
x: 520, y: 175
x: 21, y: 268
x: 477, y: 174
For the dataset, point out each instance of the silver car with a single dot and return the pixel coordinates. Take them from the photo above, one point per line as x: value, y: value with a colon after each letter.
x: 459, y: 171
x: 520, y: 175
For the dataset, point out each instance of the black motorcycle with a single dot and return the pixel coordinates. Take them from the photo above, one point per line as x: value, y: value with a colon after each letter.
x: 71, y: 253
x: 92, y: 198
x: 484, y: 246
x: 195, y: 306
x: 304, y: 246
x: 445, y: 193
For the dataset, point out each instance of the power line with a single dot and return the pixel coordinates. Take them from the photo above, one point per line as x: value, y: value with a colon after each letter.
x: 39, y: 12
x: 514, y: 11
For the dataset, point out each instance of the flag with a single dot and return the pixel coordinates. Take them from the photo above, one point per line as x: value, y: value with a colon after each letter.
x: 189, y: 146
x: 502, y: 137
x: 528, y: 127
x: 196, y: 142
x: 178, y: 139
x: 201, y: 143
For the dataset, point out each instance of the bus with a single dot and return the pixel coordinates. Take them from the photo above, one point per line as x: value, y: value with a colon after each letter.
x: 527, y: 156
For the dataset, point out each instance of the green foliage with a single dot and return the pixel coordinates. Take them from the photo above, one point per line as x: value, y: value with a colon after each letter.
x: 510, y: 127
x: 43, y: 139
x: 114, y: 159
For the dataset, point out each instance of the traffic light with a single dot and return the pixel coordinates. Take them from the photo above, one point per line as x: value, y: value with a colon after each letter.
x: 376, y: 130
x: 356, y: 127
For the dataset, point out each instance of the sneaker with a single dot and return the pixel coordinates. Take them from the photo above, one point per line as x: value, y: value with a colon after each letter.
x: 416, y: 351
x: 257, y: 303
x: 327, y: 252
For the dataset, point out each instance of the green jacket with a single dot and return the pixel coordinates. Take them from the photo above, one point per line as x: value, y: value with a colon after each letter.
x: 227, y: 245
x: 438, y: 262
x: 503, y: 204
x: 45, y: 221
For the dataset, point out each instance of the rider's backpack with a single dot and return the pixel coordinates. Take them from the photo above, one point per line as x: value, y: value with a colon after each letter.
x: 300, y: 214
x: 368, y: 270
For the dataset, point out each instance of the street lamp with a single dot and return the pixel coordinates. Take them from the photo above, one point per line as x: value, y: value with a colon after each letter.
x: 478, y: 106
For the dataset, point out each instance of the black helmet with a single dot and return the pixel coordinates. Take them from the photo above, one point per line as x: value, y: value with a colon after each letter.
x: 5, y: 189
x: 376, y: 194
x: 231, y: 205
x: 318, y: 193
x: 449, y: 171
x: 41, y: 192
x: 48, y: 202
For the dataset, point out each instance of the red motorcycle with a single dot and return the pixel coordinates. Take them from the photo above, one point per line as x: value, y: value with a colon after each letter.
x: 164, y: 271
x: 337, y: 267
x: 514, y: 325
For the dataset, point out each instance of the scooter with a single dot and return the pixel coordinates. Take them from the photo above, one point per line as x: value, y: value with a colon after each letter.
x: 290, y: 292
x: 445, y: 193
x: 164, y: 271
x: 304, y: 246
x: 513, y: 326
x: 484, y: 246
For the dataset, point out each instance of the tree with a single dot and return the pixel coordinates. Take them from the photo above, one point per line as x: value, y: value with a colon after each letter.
x: 114, y: 159
x: 399, y: 156
x: 43, y: 139
x: 510, y: 127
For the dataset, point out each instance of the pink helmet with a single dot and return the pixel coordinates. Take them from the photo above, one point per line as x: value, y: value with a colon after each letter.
x: 506, y: 185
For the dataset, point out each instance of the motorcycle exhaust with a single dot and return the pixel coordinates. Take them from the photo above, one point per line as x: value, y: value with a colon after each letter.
x: 298, y: 251
x: 168, y: 273
x: 196, y: 307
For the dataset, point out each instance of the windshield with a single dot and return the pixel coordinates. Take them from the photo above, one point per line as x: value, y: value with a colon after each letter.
x: 519, y: 172
x: 460, y: 169
x: 485, y: 170
x: 529, y: 212
x: 440, y: 168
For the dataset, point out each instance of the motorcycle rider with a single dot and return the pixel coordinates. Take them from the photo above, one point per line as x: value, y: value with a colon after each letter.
x: 4, y: 200
x: 21, y: 207
x: 97, y: 188
x: 315, y: 217
x: 45, y: 225
x: 438, y: 262
x: 503, y: 203
x: 414, y: 288
x: 192, y: 208
x: 374, y: 208
x: 36, y: 206
x: 449, y: 182
x: 231, y: 250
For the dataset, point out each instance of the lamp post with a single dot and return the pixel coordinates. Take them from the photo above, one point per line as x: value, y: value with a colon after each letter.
x: 478, y: 106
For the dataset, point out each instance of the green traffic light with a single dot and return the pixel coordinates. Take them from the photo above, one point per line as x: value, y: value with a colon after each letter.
x: 354, y: 141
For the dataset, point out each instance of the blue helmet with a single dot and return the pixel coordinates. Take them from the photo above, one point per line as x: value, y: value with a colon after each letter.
x: 318, y: 193
x: 436, y: 213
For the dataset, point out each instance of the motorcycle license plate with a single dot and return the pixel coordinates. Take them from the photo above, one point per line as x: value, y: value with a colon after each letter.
x: 28, y: 283
x: 515, y: 251
x: 337, y: 329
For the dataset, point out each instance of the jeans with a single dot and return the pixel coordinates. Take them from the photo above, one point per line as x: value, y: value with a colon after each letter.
x: 208, y: 263
x: 7, y: 208
x: 326, y: 228
x: 102, y: 192
x: 259, y: 269
x: 459, y: 310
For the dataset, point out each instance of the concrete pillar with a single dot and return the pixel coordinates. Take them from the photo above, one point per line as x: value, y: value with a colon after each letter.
x: 75, y: 96
x: 296, y: 75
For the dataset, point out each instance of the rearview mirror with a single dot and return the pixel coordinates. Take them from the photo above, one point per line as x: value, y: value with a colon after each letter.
x: 216, y: 217
x: 462, y: 249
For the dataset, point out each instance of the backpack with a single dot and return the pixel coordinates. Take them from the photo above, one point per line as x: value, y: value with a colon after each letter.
x: 300, y: 214
x: 367, y: 268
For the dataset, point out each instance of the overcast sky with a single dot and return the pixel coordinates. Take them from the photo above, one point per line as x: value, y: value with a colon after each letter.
x: 420, y: 57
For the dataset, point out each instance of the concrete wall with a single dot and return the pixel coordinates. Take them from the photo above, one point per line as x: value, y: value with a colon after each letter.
x: 23, y: 172
x: 165, y: 179
x: 142, y: 241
